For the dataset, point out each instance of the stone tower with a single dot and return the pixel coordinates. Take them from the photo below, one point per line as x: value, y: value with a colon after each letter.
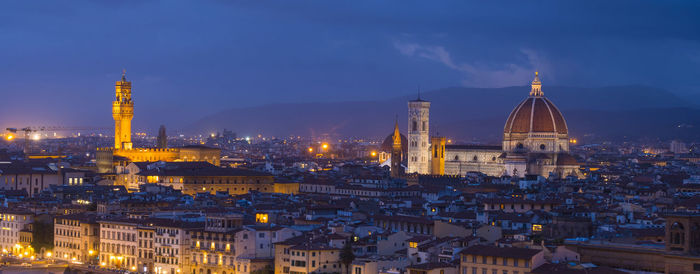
x: 162, y: 137
x: 123, y: 112
x: 396, y: 152
x: 418, y: 136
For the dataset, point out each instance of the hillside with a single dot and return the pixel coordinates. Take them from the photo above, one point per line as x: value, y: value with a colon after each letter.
x: 472, y: 114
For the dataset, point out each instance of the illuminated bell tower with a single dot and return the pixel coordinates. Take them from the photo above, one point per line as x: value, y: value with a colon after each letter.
x: 418, y: 136
x: 123, y: 112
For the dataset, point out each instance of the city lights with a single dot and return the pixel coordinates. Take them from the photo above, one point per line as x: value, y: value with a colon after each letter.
x: 311, y: 148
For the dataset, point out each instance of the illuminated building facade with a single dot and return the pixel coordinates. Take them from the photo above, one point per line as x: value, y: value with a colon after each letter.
x: 198, y: 177
x: 212, y: 248
x: 76, y: 238
x: 123, y: 113
x: 170, y: 245
x: 535, y: 142
x: 145, y: 259
x: 118, y: 244
x: 12, y: 222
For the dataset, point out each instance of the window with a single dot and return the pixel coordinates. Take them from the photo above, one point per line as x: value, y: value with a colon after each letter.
x: 542, y: 147
x: 414, y: 125
x: 495, y: 260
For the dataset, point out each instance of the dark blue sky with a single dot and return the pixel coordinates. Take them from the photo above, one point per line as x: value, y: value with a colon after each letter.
x: 59, y: 59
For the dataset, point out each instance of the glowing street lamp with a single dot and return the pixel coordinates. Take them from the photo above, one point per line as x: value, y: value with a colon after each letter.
x: 311, y: 149
x: 373, y: 153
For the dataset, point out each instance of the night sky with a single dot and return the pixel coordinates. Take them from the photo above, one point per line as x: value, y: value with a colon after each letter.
x: 187, y: 59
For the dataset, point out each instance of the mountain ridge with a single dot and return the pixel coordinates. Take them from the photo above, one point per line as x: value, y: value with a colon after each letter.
x: 449, y: 107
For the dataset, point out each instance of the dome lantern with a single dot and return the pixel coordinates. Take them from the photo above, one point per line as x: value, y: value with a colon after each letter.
x: 536, y: 89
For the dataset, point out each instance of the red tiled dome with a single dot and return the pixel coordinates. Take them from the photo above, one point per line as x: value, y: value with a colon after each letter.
x: 536, y: 114
x: 388, y: 144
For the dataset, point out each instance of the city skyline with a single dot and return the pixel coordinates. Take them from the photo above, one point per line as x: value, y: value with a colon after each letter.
x: 360, y: 137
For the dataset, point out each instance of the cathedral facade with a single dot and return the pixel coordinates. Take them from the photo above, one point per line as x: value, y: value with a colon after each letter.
x: 535, y: 142
x: 123, y: 112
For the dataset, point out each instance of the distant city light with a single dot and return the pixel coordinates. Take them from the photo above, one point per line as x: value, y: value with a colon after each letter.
x: 36, y: 136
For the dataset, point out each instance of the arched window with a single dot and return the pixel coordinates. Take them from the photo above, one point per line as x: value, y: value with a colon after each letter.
x: 542, y: 147
x: 519, y: 145
x: 475, y: 158
x: 456, y: 157
x: 414, y: 125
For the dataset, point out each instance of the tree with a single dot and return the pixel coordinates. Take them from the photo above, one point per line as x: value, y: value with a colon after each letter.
x: 346, y: 255
x: 266, y: 270
x: 42, y: 235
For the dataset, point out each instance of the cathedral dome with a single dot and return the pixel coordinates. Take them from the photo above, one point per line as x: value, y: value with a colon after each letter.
x: 536, y: 114
x: 389, y: 142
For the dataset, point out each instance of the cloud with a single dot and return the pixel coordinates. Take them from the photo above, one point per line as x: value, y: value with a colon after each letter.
x: 480, y: 74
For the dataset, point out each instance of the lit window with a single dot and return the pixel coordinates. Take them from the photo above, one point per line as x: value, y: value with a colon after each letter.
x: 537, y: 228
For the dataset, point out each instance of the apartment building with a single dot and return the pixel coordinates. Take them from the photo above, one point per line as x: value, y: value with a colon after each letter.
x: 488, y: 259
x: 171, y: 244
x: 76, y: 238
x: 146, y: 236
x: 212, y: 248
x: 12, y: 222
x: 118, y: 243
x: 307, y: 258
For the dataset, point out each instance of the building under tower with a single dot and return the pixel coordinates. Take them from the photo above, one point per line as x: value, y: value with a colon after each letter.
x: 123, y: 112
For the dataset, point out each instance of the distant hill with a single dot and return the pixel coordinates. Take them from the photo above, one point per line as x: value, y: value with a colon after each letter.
x: 472, y: 114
